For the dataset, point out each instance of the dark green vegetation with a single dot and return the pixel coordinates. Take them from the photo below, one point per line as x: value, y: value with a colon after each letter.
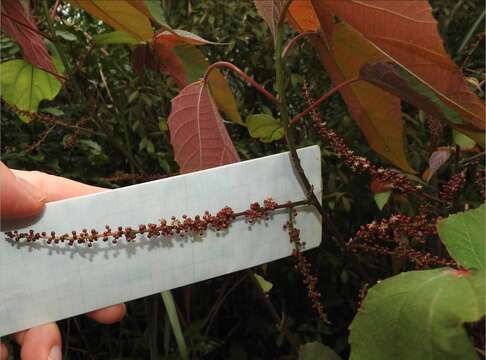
x: 127, y: 141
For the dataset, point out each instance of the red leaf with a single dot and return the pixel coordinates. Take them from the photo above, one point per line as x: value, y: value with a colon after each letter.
x: 21, y: 27
x: 270, y: 11
x: 197, y: 132
x: 343, y: 51
x: 407, y: 31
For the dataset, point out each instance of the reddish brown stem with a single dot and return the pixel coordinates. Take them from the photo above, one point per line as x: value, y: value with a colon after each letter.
x: 295, y: 39
x: 240, y: 72
x: 54, y: 9
x: 323, y: 98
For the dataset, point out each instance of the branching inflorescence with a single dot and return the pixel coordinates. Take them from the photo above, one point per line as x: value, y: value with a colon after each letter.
x: 166, y: 228
x: 359, y: 164
x: 399, y: 236
x: 451, y: 188
x: 304, y: 267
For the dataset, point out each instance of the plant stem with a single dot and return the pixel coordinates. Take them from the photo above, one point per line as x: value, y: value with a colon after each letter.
x: 296, y: 39
x: 284, y: 118
x: 174, y: 322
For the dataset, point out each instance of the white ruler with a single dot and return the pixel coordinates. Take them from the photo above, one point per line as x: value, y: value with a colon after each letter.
x: 41, y: 283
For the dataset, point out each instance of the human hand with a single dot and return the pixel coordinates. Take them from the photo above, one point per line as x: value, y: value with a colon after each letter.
x: 23, y: 194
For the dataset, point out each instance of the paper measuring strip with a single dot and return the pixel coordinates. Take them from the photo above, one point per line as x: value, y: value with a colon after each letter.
x: 40, y: 283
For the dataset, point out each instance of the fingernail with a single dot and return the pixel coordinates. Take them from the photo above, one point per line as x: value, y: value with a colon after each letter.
x: 55, y: 353
x: 30, y: 190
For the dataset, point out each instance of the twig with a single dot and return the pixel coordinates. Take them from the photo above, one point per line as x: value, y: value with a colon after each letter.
x: 219, y: 302
x: 295, y: 39
x: 41, y: 140
x: 54, y: 8
x: 48, y: 119
x: 465, y: 162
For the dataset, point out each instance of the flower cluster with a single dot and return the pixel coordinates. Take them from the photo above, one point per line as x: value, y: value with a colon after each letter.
x: 436, y: 130
x: 450, y: 190
x: 166, y: 228
x: 304, y: 267
x: 399, y: 236
x: 359, y: 164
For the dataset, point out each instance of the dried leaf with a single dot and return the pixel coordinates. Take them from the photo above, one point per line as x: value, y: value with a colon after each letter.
x: 20, y: 26
x: 438, y: 158
x: 271, y: 12
x: 407, y: 32
x: 197, y: 132
x: 122, y: 15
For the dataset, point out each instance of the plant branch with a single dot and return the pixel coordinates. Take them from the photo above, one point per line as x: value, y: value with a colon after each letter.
x: 284, y: 118
x: 241, y: 73
x: 466, y: 162
x: 54, y: 8
x: 296, y: 39
x: 323, y: 98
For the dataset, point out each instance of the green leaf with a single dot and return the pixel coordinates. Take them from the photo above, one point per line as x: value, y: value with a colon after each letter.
x: 419, y: 315
x: 114, y: 37
x: 25, y: 86
x: 163, y: 124
x: 193, y: 61
x: 264, y: 284
x: 264, y: 127
x: 66, y: 35
x: 317, y: 351
x: 463, y: 235
x: 382, y: 198
x: 464, y: 141
x: 53, y: 111
x: 157, y: 12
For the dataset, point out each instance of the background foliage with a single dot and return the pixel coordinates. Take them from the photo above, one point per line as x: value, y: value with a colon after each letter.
x: 128, y: 142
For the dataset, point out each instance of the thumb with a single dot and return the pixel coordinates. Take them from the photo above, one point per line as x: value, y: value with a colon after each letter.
x: 18, y: 198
